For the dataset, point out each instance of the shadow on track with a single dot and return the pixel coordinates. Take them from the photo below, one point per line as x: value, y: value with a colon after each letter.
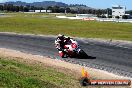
x: 86, y: 57
x: 82, y: 57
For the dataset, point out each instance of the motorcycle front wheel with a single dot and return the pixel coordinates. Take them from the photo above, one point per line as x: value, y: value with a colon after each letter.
x: 82, y: 54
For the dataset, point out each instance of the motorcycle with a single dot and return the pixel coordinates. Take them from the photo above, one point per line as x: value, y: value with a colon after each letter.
x: 72, y: 50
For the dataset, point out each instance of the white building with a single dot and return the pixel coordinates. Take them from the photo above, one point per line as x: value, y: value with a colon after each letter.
x: 49, y: 11
x: 43, y: 11
x: 118, y: 10
x: 37, y: 11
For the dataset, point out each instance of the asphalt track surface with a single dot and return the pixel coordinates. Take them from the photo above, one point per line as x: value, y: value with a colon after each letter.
x: 117, y: 60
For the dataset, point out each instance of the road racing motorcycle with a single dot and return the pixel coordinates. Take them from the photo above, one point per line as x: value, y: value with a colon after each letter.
x: 72, y: 50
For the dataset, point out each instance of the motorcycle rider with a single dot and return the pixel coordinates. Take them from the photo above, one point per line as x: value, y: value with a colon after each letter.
x: 60, y: 42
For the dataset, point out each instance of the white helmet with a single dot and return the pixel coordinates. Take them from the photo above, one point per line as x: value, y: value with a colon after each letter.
x: 60, y: 35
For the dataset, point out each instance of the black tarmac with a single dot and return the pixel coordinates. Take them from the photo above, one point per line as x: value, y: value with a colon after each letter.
x: 117, y: 60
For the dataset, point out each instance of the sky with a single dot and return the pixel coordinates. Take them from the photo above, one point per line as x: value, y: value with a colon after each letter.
x: 102, y: 4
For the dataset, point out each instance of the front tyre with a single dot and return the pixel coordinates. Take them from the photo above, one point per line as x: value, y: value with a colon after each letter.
x: 82, y: 54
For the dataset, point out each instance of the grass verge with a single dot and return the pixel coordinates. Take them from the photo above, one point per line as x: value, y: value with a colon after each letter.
x: 48, y: 24
x: 16, y: 74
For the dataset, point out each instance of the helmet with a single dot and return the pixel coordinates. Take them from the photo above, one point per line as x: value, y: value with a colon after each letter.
x: 60, y: 36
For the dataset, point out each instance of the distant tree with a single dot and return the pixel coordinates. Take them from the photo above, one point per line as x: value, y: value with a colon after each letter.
x: 109, y: 11
x: 90, y: 11
x: 68, y: 10
x: 5, y: 7
x: 21, y: 8
x: 32, y: 8
x: 98, y: 12
x: 41, y: 8
x: 103, y: 16
x: 124, y: 17
x: 1, y: 7
x: 55, y: 9
x: 129, y: 12
x: 28, y: 6
x: 9, y: 7
x: 93, y: 11
x: 62, y: 10
x: 26, y: 9
x: 109, y: 16
x: 49, y: 8
x: 117, y: 17
x: 82, y: 11
x: 104, y: 11
x: 74, y: 11
x: 35, y: 8
x: 17, y: 8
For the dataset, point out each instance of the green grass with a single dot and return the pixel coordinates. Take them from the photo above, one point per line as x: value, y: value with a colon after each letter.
x: 48, y: 24
x: 16, y: 74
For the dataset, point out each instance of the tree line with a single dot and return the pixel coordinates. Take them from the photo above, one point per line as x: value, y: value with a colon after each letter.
x: 55, y: 9
x: 13, y: 8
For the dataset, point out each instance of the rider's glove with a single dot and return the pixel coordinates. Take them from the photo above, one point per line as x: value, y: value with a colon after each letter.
x: 61, y: 49
x: 65, y: 50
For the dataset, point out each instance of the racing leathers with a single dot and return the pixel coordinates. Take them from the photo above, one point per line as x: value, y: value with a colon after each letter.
x: 60, y: 43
